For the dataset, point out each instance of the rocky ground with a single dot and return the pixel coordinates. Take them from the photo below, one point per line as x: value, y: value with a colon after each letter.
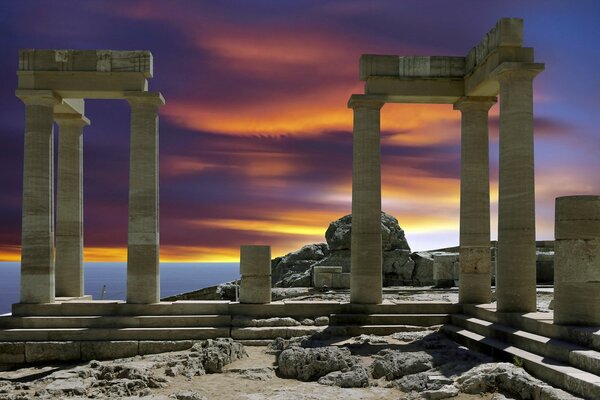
x: 407, y: 365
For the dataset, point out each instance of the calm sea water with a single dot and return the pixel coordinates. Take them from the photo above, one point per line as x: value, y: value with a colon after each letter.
x: 174, y: 278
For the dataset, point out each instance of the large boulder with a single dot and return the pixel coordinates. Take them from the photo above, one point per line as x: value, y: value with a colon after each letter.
x: 295, y: 269
x: 339, y: 233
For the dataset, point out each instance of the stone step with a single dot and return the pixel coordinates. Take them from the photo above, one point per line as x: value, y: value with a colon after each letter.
x: 554, y: 372
x: 120, y: 308
x: 90, y: 334
x: 540, y: 323
x: 273, y: 332
x: 297, y: 309
x: 578, y: 356
x: 389, y: 319
x: 98, y: 321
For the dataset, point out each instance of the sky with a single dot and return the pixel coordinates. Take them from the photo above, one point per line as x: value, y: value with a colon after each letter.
x: 256, y: 137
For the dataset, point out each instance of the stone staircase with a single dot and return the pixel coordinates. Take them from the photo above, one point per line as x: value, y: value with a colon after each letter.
x: 566, y: 357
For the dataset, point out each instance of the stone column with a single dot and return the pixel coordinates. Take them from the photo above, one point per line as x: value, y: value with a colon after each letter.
x: 515, y: 280
x: 69, y: 205
x: 37, y: 234
x: 577, y: 261
x: 255, y: 269
x: 143, y: 276
x: 475, y: 255
x: 366, y: 269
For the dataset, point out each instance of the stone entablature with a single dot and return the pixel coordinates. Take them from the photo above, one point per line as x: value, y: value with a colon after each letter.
x: 86, y: 60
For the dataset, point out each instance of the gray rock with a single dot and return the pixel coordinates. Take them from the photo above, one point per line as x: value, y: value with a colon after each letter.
x: 395, y: 364
x: 216, y: 353
x: 442, y: 393
x: 356, y: 377
x: 187, y: 395
x: 311, y: 364
x: 307, y: 322
x: 292, y: 267
x: 227, y: 291
x: 338, y: 234
x: 398, y: 267
x: 423, y: 270
x: 508, y: 378
x: 67, y: 387
x: 322, y: 321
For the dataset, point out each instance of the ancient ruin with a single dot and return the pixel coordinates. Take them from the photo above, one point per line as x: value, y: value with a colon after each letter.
x: 561, y: 348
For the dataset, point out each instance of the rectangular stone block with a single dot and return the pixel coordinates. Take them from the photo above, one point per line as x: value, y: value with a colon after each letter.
x: 155, y: 347
x: 443, y: 269
x: 255, y: 289
x: 109, y: 350
x: 341, y: 280
x: 37, y: 352
x: 12, y: 352
x: 323, y: 275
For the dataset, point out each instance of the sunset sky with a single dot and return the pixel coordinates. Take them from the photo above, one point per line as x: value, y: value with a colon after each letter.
x: 255, y: 139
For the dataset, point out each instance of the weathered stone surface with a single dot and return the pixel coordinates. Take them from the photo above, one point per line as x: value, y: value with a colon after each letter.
x: 322, y: 321
x: 444, y: 392
x: 509, y: 379
x: 154, y: 347
x: 216, y: 353
x: 12, y: 353
x: 52, y: 351
x: 357, y: 376
x: 275, y: 321
x: 395, y: 364
x: 188, y: 395
x: 312, y: 364
x: 108, y: 350
x: 67, y: 387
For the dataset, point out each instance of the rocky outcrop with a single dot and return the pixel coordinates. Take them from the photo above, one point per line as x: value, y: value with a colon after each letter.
x: 395, y: 364
x: 294, y: 269
x: 312, y: 364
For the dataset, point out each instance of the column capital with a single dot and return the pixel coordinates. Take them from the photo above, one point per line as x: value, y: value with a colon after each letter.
x: 365, y: 101
x: 516, y: 71
x: 145, y: 98
x: 38, y: 97
x: 475, y: 103
x: 71, y: 119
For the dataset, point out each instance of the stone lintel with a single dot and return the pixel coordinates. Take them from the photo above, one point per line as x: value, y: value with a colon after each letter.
x: 508, y: 32
x: 83, y: 84
x: 475, y: 102
x: 417, y: 90
x: 373, y: 65
x: 154, y: 98
x: 362, y: 100
x: 42, y: 97
x: 481, y: 81
x: 517, y: 67
x: 100, y: 61
x: 70, y: 118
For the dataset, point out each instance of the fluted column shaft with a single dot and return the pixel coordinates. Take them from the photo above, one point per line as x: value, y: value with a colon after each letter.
x: 37, y: 241
x: 366, y: 269
x: 69, y: 206
x: 515, y: 279
x: 143, y: 275
x: 475, y: 255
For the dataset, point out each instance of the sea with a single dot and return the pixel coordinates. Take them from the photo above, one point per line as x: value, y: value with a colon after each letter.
x: 108, y: 280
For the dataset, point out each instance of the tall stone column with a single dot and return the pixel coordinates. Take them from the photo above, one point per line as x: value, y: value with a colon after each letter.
x: 37, y: 234
x: 366, y: 269
x: 515, y: 275
x: 475, y: 255
x: 69, y: 206
x: 143, y: 276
